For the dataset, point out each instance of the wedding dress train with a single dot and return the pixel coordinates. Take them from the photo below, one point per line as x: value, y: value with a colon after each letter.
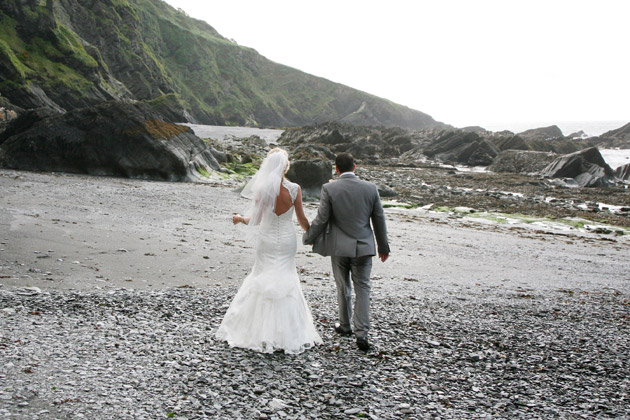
x: 269, y: 312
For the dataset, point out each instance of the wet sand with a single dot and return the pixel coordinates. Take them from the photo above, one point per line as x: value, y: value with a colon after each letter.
x: 65, y: 231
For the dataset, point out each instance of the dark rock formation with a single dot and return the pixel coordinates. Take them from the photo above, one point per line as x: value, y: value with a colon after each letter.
x: 543, y: 133
x: 26, y: 121
x: 623, y: 172
x: 511, y: 142
x: 463, y: 148
x: 559, y: 145
x: 618, y: 138
x: 8, y: 112
x: 587, y: 167
x: 475, y: 129
x: 521, y: 161
x: 622, y: 133
x: 578, y: 135
x: 310, y: 174
x: 113, y: 139
x: 365, y: 143
x: 312, y: 151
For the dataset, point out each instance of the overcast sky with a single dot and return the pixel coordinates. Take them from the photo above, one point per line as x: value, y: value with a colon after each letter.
x: 464, y: 62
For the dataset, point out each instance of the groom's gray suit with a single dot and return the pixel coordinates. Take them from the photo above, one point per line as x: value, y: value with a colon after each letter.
x: 342, y: 230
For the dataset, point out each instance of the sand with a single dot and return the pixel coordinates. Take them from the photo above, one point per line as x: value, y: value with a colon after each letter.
x: 60, y: 231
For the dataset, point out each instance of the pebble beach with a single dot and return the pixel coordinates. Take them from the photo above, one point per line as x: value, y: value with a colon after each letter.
x: 110, y: 290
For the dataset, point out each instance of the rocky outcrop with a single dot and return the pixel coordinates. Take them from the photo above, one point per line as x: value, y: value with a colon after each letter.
x: 8, y: 113
x: 622, y: 133
x: 475, y: 129
x: 113, y: 139
x: 511, y: 142
x: 369, y: 144
x: 464, y: 148
x: 578, y: 135
x: 542, y: 133
x: 623, y: 173
x: 26, y: 121
x: 618, y: 138
x: 67, y: 54
x: 521, y: 161
x: 559, y: 145
x: 312, y: 151
x: 587, y: 167
x: 6, y: 116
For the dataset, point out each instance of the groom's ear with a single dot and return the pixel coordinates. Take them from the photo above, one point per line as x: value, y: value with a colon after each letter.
x: 337, y: 171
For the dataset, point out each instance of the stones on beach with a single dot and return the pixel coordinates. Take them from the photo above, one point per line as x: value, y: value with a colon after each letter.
x: 28, y: 291
x: 124, y: 353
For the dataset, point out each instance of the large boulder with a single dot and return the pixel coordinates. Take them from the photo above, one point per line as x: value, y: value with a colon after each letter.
x: 310, y: 175
x: 113, y: 139
x: 587, y: 167
x: 521, y: 161
x: 623, y: 172
x: 542, y: 133
x: 461, y: 147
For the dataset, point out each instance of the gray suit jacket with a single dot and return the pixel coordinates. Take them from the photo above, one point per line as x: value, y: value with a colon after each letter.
x: 342, y: 226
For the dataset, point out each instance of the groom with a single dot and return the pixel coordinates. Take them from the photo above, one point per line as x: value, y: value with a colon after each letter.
x: 342, y: 231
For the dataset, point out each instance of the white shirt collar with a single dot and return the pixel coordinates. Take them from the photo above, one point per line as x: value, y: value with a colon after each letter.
x: 349, y: 173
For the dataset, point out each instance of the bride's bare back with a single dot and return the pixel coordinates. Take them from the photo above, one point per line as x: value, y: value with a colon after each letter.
x: 283, y: 201
x: 283, y: 204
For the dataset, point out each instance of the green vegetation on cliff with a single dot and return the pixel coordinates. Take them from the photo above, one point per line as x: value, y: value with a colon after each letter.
x: 80, y: 54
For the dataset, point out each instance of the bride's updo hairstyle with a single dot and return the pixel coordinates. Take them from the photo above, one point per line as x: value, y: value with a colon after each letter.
x: 284, y: 152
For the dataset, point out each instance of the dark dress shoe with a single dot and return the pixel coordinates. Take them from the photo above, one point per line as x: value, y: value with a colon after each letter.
x: 342, y: 332
x: 362, y: 344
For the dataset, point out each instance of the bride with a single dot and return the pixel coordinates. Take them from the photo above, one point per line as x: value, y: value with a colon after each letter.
x: 269, y: 312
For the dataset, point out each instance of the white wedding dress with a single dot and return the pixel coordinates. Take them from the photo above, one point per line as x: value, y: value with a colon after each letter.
x: 269, y: 312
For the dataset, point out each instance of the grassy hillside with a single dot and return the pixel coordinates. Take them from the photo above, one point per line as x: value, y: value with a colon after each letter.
x: 72, y: 53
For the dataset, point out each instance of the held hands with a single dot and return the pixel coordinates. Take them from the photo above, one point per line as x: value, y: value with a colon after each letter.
x: 383, y: 257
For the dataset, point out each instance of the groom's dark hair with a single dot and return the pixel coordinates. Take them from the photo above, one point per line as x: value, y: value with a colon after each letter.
x: 344, y: 162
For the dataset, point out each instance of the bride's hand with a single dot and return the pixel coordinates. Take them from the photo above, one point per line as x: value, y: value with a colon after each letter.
x: 237, y: 218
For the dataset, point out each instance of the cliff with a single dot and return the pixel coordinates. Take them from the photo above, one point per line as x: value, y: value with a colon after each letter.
x: 67, y: 54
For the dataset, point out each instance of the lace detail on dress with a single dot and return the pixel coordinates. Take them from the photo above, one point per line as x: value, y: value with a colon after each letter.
x: 292, y: 187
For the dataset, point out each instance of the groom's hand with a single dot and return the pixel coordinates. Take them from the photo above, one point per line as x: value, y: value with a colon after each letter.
x: 383, y: 256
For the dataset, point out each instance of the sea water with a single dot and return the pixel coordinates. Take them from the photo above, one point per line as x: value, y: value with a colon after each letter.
x: 616, y: 157
x: 591, y: 128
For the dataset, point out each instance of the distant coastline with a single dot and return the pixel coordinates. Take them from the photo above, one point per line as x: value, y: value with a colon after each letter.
x: 592, y: 128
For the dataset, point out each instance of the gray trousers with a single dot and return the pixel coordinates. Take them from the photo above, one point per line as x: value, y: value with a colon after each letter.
x: 360, y: 268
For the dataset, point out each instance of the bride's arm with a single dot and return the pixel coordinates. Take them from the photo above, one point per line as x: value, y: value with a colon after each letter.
x: 237, y: 218
x: 299, y: 211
